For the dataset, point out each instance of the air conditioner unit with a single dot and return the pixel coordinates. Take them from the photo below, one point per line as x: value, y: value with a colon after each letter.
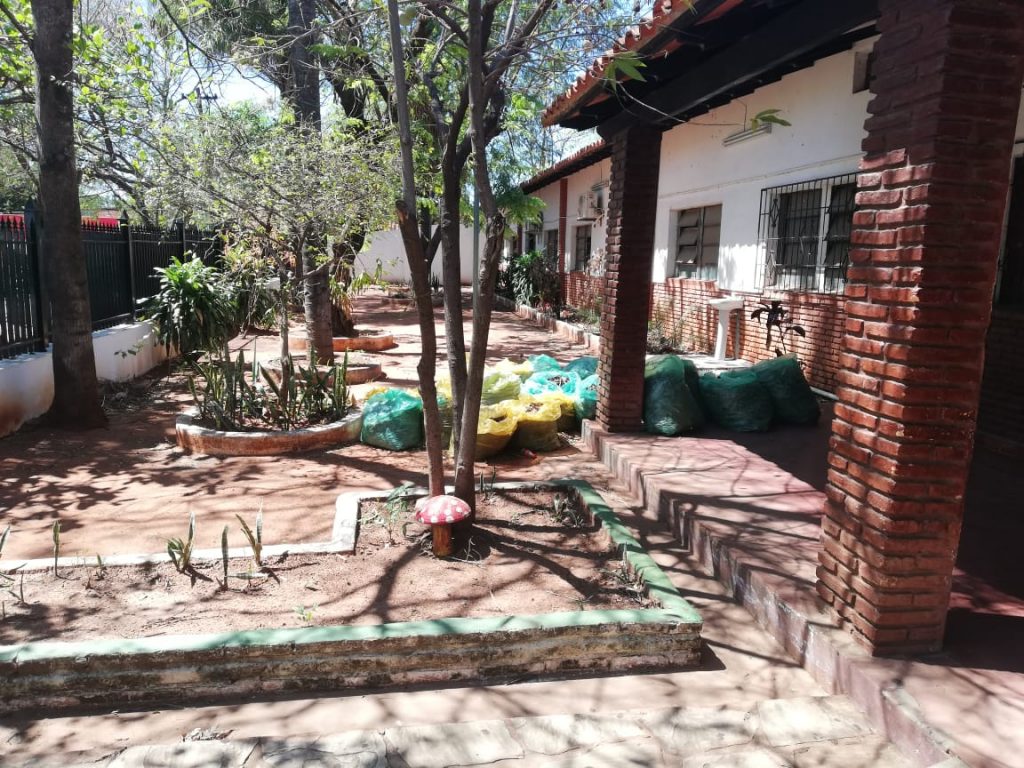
x: 589, y: 206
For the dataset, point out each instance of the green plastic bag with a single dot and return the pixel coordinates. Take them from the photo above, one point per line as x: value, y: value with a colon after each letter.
x: 393, y: 420
x: 583, y: 367
x: 500, y: 386
x: 669, y: 406
x: 586, y: 397
x: 737, y: 401
x: 544, y: 363
x: 692, y: 376
x: 791, y: 395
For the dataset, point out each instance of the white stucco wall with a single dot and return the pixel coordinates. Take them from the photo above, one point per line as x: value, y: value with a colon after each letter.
x: 26, y: 382
x: 387, y: 246
x: 696, y: 169
x: 579, y: 184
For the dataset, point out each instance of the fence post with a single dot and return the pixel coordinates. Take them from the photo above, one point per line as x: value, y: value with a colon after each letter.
x: 180, y: 226
x: 126, y: 233
x: 35, y: 257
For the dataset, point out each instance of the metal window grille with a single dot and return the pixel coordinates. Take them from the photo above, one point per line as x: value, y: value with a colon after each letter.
x: 584, y: 241
x: 805, y: 229
x: 551, y: 244
x: 698, y: 235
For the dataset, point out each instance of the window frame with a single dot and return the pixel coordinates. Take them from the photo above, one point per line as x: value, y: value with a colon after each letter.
x: 832, y: 217
x: 580, y: 265
x: 700, y: 266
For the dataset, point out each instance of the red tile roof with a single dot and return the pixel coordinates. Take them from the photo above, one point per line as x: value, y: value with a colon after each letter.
x: 590, y: 154
x: 639, y: 39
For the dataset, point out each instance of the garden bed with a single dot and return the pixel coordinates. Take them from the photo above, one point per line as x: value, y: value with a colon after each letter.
x: 359, y: 370
x: 193, y: 437
x: 588, y: 598
x: 367, y: 341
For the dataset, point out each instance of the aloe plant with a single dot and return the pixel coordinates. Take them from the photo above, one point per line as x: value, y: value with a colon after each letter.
x: 56, y: 544
x: 255, y: 539
x: 180, y: 551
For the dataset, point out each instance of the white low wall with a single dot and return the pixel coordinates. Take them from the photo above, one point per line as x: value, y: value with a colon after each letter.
x: 388, y: 248
x: 26, y: 383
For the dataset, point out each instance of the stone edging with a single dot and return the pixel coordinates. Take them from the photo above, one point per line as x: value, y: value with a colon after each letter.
x: 297, y: 343
x: 591, y: 342
x: 49, y: 675
x: 193, y: 438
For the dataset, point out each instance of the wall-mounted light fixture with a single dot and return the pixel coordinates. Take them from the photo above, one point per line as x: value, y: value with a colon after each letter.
x: 746, y: 133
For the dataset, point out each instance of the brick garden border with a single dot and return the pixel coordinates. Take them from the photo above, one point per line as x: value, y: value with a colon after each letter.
x: 119, y: 672
x: 193, y: 438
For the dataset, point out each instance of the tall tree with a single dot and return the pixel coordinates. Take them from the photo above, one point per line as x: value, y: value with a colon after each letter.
x: 76, y: 400
x: 476, y: 55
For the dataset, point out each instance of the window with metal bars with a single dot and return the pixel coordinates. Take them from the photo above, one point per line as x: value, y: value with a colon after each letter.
x: 806, y: 228
x: 698, y: 234
x: 551, y: 244
x: 584, y: 241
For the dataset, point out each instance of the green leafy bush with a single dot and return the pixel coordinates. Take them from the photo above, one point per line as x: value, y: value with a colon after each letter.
x: 533, y: 279
x: 194, y: 310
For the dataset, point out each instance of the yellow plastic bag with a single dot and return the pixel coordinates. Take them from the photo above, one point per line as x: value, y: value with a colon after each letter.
x: 538, y: 425
x: 523, y: 370
x: 565, y: 402
x: 495, y: 428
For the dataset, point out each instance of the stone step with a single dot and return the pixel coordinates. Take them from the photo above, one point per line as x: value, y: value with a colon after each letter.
x: 808, y: 731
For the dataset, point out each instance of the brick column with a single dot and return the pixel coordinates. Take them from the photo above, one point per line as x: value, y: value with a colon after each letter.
x: 933, y: 187
x: 563, y: 225
x: 636, y: 159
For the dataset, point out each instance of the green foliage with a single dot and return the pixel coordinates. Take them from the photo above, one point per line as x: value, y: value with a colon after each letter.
x: 249, y: 278
x: 194, y: 310
x: 533, y: 279
x: 255, y: 538
x: 228, y: 395
x: 55, y: 532
x: 768, y: 117
x: 180, y: 551
x: 3, y: 539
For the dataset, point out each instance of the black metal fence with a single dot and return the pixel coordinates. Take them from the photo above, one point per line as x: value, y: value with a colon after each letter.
x: 121, y: 262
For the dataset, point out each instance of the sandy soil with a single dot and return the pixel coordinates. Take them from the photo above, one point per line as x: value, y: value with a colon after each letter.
x: 521, y: 559
x: 128, y: 488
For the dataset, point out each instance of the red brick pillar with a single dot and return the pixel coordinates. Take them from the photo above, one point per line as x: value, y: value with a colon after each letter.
x: 933, y: 187
x: 563, y: 225
x: 636, y: 159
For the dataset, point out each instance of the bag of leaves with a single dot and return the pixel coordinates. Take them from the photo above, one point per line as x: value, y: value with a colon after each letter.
x: 393, y: 420
x: 495, y: 428
x: 738, y: 401
x: 544, y: 363
x: 586, y: 398
x: 669, y: 406
x: 523, y: 370
x: 692, y: 376
x: 583, y: 366
x: 560, y: 386
x: 499, y: 386
x: 791, y: 395
x: 537, y: 429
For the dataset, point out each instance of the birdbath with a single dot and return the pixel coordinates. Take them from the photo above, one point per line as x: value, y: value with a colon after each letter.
x: 440, y: 512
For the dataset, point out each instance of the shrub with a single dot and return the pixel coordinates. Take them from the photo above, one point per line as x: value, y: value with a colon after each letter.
x: 194, y: 310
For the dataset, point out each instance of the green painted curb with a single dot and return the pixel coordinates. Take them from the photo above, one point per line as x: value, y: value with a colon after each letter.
x: 674, y: 611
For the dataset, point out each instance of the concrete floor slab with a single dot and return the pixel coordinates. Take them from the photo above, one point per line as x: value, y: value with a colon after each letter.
x: 811, y: 718
x: 447, y: 746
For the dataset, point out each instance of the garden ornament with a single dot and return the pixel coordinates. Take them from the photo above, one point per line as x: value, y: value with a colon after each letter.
x: 440, y: 512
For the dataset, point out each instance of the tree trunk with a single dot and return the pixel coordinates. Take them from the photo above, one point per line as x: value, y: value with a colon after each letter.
x: 76, y: 402
x: 418, y: 267
x: 452, y: 280
x: 303, y: 94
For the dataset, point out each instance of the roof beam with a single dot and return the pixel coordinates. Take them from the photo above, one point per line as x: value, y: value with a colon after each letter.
x: 789, y: 36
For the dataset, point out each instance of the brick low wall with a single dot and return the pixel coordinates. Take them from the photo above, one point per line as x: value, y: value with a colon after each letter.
x: 683, y: 305
x: 1001, y: 414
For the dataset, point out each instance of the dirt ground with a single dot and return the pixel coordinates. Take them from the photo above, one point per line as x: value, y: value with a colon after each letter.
x: 521, y: 559
x: 128, y: 488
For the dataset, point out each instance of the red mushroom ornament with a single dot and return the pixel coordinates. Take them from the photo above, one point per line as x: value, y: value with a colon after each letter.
x: 439, y: 512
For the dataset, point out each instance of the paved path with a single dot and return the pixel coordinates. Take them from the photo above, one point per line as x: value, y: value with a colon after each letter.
x: 807, y: 731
